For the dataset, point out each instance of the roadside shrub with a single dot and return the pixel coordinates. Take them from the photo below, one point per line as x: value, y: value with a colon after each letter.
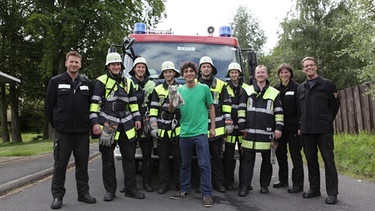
x: 354, y: 154
x: 31, y: 116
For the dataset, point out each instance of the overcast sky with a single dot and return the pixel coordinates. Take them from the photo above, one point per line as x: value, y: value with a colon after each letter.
x: 195, y: 16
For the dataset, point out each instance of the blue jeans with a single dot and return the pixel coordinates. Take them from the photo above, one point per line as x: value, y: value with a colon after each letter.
x: 187, y: 146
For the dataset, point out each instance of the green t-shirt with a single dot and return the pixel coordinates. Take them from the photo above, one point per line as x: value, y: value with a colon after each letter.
x: 194, y: 113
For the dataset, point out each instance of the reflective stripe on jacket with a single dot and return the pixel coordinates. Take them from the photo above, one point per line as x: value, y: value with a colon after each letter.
x: 159, y: 109
x: 222, y: 104
x: 260, y: 113
x: 106, y: 91
x: 143, y: 90
x: 235, y: 94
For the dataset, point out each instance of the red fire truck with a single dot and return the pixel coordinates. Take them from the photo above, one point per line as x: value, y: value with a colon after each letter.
x: 159, y: 46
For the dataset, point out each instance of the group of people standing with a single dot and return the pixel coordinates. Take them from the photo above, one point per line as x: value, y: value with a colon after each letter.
x: 256, y: 118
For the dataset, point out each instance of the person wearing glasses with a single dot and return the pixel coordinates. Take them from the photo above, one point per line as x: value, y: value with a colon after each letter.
x: 318, y: 104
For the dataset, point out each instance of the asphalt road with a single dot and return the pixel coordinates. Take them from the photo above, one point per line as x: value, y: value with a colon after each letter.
x: 354, y: 195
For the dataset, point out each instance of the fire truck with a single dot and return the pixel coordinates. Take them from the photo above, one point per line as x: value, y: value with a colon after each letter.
x: 159, y: 46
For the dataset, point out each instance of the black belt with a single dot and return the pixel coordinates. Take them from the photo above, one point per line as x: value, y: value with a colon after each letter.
x: 115, y: 106
x: 167, y: 116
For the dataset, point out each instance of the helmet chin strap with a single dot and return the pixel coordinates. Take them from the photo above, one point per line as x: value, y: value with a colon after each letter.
x: 115, y: 75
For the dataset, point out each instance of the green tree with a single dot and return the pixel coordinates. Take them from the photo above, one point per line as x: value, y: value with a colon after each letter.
x: 247, y: 30
x: 311, y: 31
x: 360, y: 27
x: 13, y: 54
x: 87, y: 26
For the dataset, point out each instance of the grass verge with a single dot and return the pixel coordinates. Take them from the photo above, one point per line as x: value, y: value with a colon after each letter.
x: 355, y: 156
x: 32, y: 145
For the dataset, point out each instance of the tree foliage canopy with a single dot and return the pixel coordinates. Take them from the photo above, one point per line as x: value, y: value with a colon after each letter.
x: 87, y: 26
x: 338, y: 33
x: 36, y: 35
x: 248, y: 30
x: 323, y: 29
x: 249, y: 33
x: 361, y: 27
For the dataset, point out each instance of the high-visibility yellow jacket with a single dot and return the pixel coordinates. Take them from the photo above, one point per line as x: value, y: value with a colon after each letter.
x: 260, y: 113
x: 159, y: 109
x: 235, y: 94
x: 222, y: 104
x: 143, y: 90
x: 114, y: 99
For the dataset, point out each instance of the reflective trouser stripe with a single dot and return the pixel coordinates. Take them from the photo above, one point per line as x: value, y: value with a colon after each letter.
x: 256, y: 145
x: 232, y: 139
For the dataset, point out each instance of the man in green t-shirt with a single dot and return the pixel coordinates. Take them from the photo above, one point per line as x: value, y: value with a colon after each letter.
x: 193, y: 134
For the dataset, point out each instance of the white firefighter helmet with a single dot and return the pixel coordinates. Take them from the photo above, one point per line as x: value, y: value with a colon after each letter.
x: 168, y: 65
x: 139, y: 60
x: 112, y: 58
x: 207, y: 59
x: 234, y: 66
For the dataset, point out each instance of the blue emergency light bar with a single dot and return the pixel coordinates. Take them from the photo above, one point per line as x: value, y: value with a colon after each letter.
x: 225, y: 31
x: 139, y: 28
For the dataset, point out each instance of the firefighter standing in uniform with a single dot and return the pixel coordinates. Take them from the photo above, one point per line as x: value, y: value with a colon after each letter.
x: 260, y: 117
x: 318, y: 104
x: 166, y: 127
x: 67, y: 109
x: 290, y: 137
x: 115, y: 116
x: 222, y: 104
x: 234, y: 88
x: 143, y: 89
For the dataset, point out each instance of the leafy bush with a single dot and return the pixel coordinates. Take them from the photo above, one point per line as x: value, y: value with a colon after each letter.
x: 32, y: 116
x: 354, y: 154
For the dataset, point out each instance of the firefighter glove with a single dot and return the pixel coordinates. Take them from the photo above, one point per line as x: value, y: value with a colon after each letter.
x: 154, y: 127
x: 229, y: 127
x: 154, y: 134
x: 107, y: 138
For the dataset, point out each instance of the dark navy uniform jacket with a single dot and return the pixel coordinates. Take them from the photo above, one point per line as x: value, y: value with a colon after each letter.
x: 318, y: 105
x: 67, y: 103
x: 289, y: 100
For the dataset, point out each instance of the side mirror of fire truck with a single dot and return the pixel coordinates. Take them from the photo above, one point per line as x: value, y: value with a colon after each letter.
x: 127, y: 43
x: 252, y: 63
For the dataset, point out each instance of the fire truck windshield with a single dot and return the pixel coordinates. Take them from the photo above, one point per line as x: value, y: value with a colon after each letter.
x: 157, y: 52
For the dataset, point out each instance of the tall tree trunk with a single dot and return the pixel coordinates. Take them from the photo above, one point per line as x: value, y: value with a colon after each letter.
x: 15, y: 120
x: 61, y: 64
x: 4, y: 120
x: 45, y: 119
x: 47, y: 129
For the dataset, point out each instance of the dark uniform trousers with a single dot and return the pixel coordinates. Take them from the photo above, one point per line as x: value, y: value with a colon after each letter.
x: 230, y: 162
x: 168, y: 147
x: 146, y: 145
x: 127, y: 150
x: 64, y: 145
x: 216, y: 145
x: 295, y: 146
x: 311, y: 143
x: 247, y: 167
